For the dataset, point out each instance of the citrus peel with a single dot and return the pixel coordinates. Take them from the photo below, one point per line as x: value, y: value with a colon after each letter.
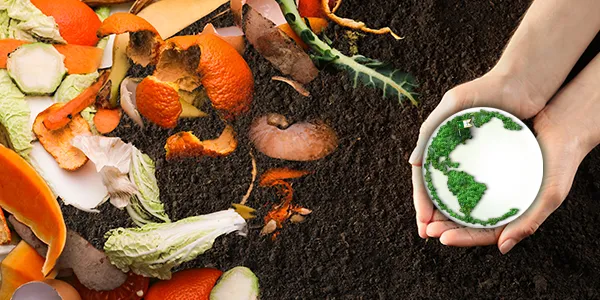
x: 58, y: 142
x: 186, y: 144
x: 158, y: 101
x: 178, y: 62
x: 144, y: 41
x: 225, y: 76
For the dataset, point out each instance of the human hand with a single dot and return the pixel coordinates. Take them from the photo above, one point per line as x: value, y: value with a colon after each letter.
x: 566, y: 134
x: 494, y: 90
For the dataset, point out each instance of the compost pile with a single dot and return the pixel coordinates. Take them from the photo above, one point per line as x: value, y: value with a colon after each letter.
x: 361, y: 240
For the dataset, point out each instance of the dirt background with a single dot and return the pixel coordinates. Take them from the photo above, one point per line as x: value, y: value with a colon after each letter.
x: 361, y: 241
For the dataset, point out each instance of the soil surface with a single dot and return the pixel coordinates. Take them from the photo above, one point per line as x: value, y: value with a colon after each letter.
x: 361, y: 240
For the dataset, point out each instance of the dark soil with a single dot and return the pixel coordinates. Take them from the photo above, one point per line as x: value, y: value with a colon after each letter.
x: 361, y: 241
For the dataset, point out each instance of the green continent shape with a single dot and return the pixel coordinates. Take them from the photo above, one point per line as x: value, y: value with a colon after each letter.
x: 463, y: 185
x: 466, y: 189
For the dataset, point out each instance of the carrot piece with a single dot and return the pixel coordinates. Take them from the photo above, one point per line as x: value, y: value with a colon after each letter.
x: 80, y: 59
x: 5, y: 235
x: 61, y: 117
x: 106, y: 120
x: 40, y: 211
x: 275, y: 176
x: 316, y: 24
x: 58, y: 142
x: 22, y: 265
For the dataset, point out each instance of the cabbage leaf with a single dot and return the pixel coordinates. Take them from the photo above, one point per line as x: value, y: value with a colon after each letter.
x: 15, y: 131
x: 145, y: 207
x: 154, y: 249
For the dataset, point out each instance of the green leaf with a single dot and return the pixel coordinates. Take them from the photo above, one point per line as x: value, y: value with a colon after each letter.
x: 377, y: 74
x: 146, y: 207
x: 154, y: 249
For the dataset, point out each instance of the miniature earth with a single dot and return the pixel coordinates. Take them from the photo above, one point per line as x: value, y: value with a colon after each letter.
x: 361, y: 240
x: 469, y: 192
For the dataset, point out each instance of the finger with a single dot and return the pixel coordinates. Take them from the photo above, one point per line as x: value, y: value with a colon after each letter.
x: 437, y: 228
x: 423, y: 205
x: 438, y: 216
x: 468, y: 237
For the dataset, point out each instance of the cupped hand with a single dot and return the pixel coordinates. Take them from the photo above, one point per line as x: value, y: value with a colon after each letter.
x: 492, y: 90
x: 566, y: 131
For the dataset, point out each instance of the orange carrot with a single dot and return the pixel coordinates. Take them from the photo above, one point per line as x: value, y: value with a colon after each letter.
x: 274, y: 176
x: 61, y: 117
x: 5, y: 235
x: 80, y: 59
x: 6, y: 47
x: 106, y: 120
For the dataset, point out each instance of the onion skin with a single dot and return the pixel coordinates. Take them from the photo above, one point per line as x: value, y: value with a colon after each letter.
x: 299, y: 142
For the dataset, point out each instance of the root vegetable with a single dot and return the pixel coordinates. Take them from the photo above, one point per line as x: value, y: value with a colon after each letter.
x: 279, y: 49
x: 36, y: 68
x: 58, y: 142
x: 90, y: 265
x: 107, y: 120
x: 62, y: 116
x: 275, y: 137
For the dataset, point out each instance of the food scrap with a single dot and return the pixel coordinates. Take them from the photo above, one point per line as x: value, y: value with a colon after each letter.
x: 48, y: 289
x: 305, y: 141
x: 186, y: 144
x: 356, y: 25
x: 185, y: 284
x: 135, y: 287
x: 22, y: 265
x: 154, y: 249
x: 285, y: 210
x: 61, y: 116
x: 58, y: 142
x: 239, y: 283
x: 158, y: 101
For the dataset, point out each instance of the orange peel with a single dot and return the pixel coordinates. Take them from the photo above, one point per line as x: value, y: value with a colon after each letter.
x: 58, y: 142
x: 144, y: 41
x: 226, y: 76
x: 158, y: 101
x: 185, y: 144
x: 178, y: 62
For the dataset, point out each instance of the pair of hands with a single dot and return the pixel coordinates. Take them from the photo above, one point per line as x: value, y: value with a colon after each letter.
x: 566, y: 131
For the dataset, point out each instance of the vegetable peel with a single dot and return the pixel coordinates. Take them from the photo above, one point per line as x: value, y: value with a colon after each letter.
x: 186, y: 144
x: 58, y: 142
x: 356, y: 25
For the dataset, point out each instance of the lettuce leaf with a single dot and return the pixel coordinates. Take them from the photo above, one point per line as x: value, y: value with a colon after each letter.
x: 15, y: 131
x: 4, y: 24
x: 154, y: 249
x: 146, y: 206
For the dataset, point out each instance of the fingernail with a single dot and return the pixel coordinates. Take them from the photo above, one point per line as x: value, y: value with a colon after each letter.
x: 507, y: 246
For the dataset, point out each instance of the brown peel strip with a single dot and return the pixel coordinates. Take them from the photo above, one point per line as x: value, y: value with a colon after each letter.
x: 279, y: 49
x: 139, y: 5
x: 295, y: 84
x: 186, y: 145
x: 352, y: 24
x: 58, y: 142
x: 251, y: 187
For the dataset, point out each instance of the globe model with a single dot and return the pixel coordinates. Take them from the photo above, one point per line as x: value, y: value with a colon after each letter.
x: 482, y: 167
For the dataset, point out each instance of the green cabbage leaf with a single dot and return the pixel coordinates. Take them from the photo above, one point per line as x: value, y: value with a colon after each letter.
x: 15, y: 131
x: 146, y: 206
x: 154, y: 249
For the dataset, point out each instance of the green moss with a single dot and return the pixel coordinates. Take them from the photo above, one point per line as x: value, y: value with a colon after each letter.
x: 463, y: 185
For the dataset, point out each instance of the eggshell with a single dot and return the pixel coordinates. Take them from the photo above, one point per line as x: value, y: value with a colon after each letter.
x: 49, y: 289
